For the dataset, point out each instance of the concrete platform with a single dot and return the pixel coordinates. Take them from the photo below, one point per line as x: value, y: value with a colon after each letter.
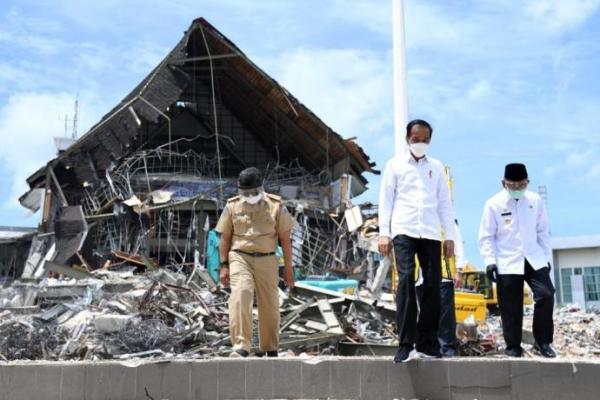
x: 317, y: 378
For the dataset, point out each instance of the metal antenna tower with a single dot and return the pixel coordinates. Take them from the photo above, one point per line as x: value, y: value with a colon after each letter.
x: 66, y: 121
x: 75, y: 118
x: 543, y: 192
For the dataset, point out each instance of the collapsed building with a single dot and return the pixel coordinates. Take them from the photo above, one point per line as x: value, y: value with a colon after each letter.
x: 146, y: 184
x: 119, y: 266
x: 120, y: 262
x: 14, y: 247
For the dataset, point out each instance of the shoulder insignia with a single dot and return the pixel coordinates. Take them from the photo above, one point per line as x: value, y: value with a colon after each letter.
x: 273, y: 197
x: 234, y: 198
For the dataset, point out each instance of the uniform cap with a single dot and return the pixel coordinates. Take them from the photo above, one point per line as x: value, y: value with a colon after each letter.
x: 250, y: 178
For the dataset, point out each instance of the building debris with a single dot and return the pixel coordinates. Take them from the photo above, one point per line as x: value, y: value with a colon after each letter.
x: 122, y: 264
x: 120, y: 315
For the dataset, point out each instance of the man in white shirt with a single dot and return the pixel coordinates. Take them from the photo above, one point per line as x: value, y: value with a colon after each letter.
x: 514, y: 241
x: 414, y: 205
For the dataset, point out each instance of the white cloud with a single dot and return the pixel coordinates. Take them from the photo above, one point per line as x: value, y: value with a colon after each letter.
x: 426, y: 23
x: 350, y: 89
x: 5, y: 36
x: 557, y: 16
x: 31, y: 33
x: 9, y: 74
x: 28, y: 123
x: 373, y: 15
x: 480, y: 89
x: 142, y: 57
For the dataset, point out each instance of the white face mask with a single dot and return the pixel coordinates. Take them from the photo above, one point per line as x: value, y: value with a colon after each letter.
x: 253, y: 199
x: 418, y: 149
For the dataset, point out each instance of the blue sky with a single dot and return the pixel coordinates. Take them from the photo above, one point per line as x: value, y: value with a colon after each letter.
x: 500, y: 80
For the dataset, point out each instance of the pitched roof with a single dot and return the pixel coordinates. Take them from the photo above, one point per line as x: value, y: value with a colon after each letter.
x: 253, y: 96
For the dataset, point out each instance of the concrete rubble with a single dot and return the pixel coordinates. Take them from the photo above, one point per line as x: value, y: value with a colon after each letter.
x: 122, y: 264
x: 121, y: 314
x: 576, y: 335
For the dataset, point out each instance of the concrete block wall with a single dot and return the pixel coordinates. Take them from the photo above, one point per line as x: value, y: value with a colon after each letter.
x: 319, y: 378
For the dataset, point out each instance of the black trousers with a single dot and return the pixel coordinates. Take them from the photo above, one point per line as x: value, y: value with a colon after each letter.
x: 418, y: 327
x: 447, y: 331
x: 447, y: 328
x: 510, y: 300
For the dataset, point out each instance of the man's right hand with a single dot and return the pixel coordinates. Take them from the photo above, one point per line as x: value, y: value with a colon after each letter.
x: 492, y: 272
x: 224, y: 276
x: 458, y: 278
x: 385, y: 245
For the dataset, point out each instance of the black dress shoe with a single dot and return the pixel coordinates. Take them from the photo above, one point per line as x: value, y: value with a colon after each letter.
x: 272, y: 353
x: 545, y: 350
x: 514, y: 352
x: 449, y: 352
x: 239, y: 353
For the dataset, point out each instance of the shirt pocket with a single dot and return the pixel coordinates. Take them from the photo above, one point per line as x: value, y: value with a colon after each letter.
x: 408, y: 182
x: 265, y: 223
x: 241, y: 224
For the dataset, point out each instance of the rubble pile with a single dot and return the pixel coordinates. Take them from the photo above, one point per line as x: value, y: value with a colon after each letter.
x: 161, y: 313
x: 576, y: 333
x: 109, y: 316
x: 119, y: 315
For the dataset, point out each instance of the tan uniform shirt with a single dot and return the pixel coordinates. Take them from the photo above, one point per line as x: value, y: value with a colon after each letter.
x: 255, y: 227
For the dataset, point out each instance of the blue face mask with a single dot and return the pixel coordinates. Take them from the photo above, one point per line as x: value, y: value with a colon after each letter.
x: 516, y: 194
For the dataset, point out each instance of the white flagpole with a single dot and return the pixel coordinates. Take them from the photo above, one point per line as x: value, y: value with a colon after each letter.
x: 400, y: 94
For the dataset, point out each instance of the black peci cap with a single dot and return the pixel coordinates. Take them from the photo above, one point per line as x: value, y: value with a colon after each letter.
x: 515, y: 172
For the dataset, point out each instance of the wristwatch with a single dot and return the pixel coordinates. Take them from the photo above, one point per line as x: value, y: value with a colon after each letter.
x: 224, y: 264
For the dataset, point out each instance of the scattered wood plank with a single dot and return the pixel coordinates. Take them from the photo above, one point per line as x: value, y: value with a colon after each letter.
x: 317, y: 326
x: 294, y: 315
x: 333, y: 325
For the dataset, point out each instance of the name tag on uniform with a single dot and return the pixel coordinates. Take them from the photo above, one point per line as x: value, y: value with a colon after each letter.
x: 506, y: 214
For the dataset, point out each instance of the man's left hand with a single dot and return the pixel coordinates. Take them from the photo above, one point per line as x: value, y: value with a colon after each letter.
x: 448, y: 248
x: 288, y: 277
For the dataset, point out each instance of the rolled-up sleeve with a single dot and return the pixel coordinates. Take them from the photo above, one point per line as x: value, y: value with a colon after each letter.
x: 487, y: 236
x: 386, y: 199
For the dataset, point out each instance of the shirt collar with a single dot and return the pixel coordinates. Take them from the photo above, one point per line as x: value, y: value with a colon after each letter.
x: 409, y: 158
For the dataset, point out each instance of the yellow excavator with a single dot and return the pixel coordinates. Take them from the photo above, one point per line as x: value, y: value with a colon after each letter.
x: 476, y: 281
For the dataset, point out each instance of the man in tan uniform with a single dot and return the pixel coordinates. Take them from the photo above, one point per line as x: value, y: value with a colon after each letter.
x: 250, y: 227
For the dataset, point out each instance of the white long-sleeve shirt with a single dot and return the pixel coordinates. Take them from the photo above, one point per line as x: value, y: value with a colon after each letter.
x: 460, y: 255
x: 414, y: 199
x: 512, y: 231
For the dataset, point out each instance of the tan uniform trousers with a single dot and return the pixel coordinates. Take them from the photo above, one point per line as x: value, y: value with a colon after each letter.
x: 247, y: 275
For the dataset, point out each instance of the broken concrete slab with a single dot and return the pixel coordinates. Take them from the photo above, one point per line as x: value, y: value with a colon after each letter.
x: 110, y: 323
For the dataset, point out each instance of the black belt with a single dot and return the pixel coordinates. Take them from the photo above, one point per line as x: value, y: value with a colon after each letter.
x: 255, y: 254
